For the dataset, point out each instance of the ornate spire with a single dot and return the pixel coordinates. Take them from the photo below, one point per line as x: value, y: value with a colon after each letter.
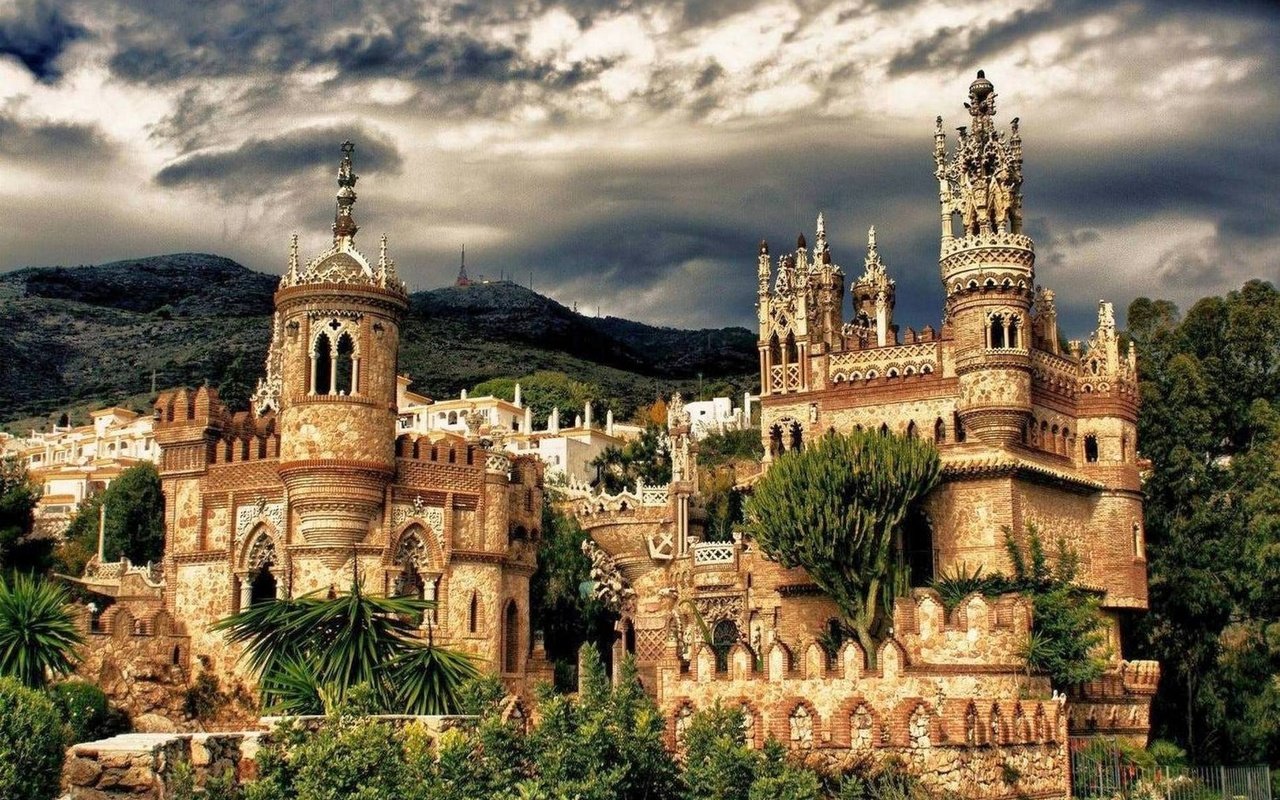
x: 820, y: 243
x: 344, y: 224
x: 292, y: 276
x: 983, y: 180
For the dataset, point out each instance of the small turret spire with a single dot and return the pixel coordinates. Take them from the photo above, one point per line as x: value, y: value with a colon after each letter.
x: 293, y: 259
x: 344, y: 224
x: 820, y: 243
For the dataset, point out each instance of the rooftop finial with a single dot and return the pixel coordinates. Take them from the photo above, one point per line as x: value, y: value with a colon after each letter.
x: 871, y: 240
x: 344, y: 224
x: 293, y: 258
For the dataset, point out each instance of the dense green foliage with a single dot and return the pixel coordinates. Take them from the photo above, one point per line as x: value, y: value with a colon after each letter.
x: 134, y: 524
x: 18, y: 496
x: 31, y: 743
x: 605, y: 743
x: 717, y: 449
x: 312, y: 651
x: 836, y: 509
x: 83, y: 338
x: 38, y: 637
x: 647, y: 459
x: 567, y: 616
x: 1210, y: 424
x: 1068, y: 629
x: 85, y: 712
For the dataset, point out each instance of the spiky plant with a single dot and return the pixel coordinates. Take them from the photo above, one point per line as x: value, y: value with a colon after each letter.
x: 38, y: 637
x: 312, y: 651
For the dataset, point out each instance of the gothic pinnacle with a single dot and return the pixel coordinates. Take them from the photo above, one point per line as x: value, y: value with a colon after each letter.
x: 344, y: 224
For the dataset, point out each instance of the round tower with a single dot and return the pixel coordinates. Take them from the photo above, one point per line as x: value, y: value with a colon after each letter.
x: 988, y: 271
x: 339, y: 321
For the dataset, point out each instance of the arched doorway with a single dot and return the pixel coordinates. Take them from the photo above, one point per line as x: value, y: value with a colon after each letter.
x: 260, y: 584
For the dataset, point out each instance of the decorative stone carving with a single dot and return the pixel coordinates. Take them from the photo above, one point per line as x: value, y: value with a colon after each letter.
x: 260, y: 509
x: 431, y: 516
x: 609, y: 586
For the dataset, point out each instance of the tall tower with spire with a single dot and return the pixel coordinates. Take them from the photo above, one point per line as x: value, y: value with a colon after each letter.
x: 339, y: 329
x: 987, y: 269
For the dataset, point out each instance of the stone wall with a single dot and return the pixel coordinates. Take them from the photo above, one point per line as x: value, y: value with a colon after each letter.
x: 142, y: 765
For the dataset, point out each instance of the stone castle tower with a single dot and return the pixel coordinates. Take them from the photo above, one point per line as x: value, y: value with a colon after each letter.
x: 337, y: 409
x: 1031, y: 434
x: 315, y: 487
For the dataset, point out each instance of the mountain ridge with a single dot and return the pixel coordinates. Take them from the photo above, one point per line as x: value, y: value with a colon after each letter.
x: 94, y: 335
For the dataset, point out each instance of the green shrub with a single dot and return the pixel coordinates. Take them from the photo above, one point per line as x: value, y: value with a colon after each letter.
x: 204, y: 696
x: 718, y: 764
x: 779, y: 779
x: 346, y: 759
x: 86, y: 714
x: 38, y: 637
x: 31, y: 743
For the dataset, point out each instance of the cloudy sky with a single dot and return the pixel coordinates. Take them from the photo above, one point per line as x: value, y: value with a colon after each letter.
x: 629, y: 156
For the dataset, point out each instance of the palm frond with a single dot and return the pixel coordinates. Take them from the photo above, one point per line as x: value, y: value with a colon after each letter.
x: 38, y: 637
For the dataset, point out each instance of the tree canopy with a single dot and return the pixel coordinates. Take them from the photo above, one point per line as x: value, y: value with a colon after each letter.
x: 835, y: 509
x: 1210, y: 425
x: 134, y: 525
x: 542, y: 391
x: 18, y: 495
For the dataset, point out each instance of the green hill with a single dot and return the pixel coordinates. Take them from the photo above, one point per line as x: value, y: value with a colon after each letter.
x: 84, y: 337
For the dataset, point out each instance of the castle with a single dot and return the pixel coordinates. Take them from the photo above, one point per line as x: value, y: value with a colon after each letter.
x: 1030, y: 433
x: 314, y: 487
x: 318, y: 485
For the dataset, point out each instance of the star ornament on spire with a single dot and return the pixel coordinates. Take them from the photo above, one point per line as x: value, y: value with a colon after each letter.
x: 344, y: 224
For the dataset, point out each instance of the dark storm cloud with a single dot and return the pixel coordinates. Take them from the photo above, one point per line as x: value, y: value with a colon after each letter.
x: 172, y: 41
x: 53, y: 145
x: 263, y: 166
x: 36, y: 33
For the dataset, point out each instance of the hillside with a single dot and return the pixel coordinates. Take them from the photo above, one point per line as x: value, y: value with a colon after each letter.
x: 82, y: 337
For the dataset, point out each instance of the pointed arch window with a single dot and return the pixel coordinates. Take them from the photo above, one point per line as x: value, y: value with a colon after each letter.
x: 344, y: 373
x: 939, y: 431
x: 793, y: 352
x: 473, y: 614
x: 1013, y: 331
x: 996, y: 331
x: 775, y: 350
x: 322, y: 365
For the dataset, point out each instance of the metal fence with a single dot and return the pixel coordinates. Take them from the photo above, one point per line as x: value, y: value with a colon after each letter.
x: 1105, y: 774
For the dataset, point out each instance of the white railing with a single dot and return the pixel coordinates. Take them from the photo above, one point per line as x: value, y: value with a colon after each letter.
x: 707, y: 553
x: 652, y: 496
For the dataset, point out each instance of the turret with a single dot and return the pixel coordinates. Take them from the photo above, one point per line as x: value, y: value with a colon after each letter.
x: 874, y: 296
x: 988, y: 271
x: 340, y: 329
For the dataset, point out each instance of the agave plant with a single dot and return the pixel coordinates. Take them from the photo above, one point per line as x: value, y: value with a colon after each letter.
x: 38, y: 637
x: 312, y: 651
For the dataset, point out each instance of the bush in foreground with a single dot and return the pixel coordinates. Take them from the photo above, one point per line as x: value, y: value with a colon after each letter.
x: 31, y: 743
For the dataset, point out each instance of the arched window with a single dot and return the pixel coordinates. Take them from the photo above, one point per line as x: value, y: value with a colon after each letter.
x: 939, y: 431
x: 723, y: 636
x: 1091, y: 448
x: 797, y: 437
x: 1044, y: 435
x: 344, y: 371
x: 1124, y: 447
x: 473, y: 614
x: 911, y: 429
x: 511, y: 638
x: 775, y: 350
x: 884, y: 429
x: 453, y: 417
x: 322, y: 365
x: 1013, y: 332
x: 958, y: 426
x: 775, y: 440
x: 793, y: 353
x: 996, y: 331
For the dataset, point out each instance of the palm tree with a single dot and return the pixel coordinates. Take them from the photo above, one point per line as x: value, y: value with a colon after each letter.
x: 312, y: 651
x: 38, y: 637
